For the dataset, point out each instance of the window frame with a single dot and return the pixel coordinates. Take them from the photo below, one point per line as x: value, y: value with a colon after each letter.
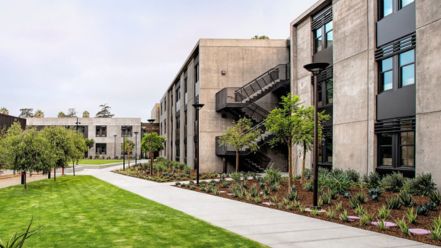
x: 397, y: 5
x: 100, y: 134
x: 396, y: 71
x: 400, y: 67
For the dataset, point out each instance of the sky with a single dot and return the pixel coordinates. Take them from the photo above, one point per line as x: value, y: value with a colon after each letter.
x: 56, y: 55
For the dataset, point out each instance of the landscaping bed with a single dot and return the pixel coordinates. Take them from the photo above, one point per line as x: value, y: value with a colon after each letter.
x: 164, y: 171
x: 345, y: 197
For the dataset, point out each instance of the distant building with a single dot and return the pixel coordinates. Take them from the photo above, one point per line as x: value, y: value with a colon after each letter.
x: 107, y: 133
x: 155, y: 114
x: 6, y: 121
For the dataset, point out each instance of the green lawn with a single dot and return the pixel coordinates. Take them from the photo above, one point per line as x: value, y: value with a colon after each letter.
x: 99, y: 161
x: 83, y: 211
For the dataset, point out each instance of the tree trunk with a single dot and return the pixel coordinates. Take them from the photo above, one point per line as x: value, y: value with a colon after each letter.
x: 237, y: 160
x: 303, y: 162
x: 49, y: 174
x: 25, y: 183
x: 151, y: 164
x: 290, y: 167
x: 55, y: 173
x: 62, y: 171
x: 73, y: 168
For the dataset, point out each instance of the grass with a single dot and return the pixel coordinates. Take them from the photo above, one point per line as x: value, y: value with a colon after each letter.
x: 99, y: 161
x: 83, y: 211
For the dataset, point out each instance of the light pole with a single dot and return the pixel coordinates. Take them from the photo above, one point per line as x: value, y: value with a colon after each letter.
x: 114, y: 146
x: 315, y: 69
x: 151, y: 155
x: 136, y: 148
x: 197, y: 107
x: 124, y: 152
x: 77, y: 123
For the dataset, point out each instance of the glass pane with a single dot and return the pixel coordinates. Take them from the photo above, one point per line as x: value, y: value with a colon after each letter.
x: 319, y: 94
x: 404, y: 3
x: 387, y: 7
x: 385, y: 140
x: 407, y: 138
x: 328, y: 27
x: 407, y: 156
x: 386, y: 156
x: 407, y: 57
x: 329, y: 39
x: 318, y: 38
x: 329, y: 93
x: 386, y: 64
x: 387, y: 83
x: 329, y: 150
x: 408, y: 75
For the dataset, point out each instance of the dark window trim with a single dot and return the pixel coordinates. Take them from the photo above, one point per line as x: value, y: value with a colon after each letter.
x: 319, y: 22
x: 396, y: 6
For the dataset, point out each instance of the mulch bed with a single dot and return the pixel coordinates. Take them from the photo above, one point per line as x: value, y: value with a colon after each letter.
x: 163, y: 177
x: 371, y: 207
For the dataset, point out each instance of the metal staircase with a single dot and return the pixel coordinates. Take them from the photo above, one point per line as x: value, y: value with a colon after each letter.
x: 241, y: 102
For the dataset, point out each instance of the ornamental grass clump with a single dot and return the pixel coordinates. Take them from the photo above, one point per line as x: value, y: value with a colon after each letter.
x: 373, y: 180
x: 393, y: 182
x: 436, y: 229
x: 331, y: 213
x: 360, y: 210
x: 422, y: 185
x: 344, y: 216
x: 411, y: 215
x: 365, y: 219
x: 393, y: 203
x: 405, y: 198
x: 339, y: 206
x: 383, y: 213
x: 402, y: 224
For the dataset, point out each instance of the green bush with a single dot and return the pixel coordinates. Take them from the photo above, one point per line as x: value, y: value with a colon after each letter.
x: 373, y: 180
x: 393, y: 203
x: 272, y: 177
x: 404, y: 227
x: 353, y: 175
x: 393, y: 182
x: 365, y: 219
x: 435, y: 197
x: 308, y: 186
x: 360, y: 210
x: 405, y: 198
x: 411, y: 215
x: 292, y: 196
x: 422, y: 185
x: 383, y: 213
x: 331, y: 213
x: 422, y: 210
x: 436, y: 229
x: 344, y: 216
x: 374, y: 193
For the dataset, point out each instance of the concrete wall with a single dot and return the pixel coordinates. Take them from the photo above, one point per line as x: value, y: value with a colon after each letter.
x: 428, y: 83
x: 113, y: 127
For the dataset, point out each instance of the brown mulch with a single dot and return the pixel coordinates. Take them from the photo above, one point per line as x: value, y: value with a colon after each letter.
x: 371, y: 207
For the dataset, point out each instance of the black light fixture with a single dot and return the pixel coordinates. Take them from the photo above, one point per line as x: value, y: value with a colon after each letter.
x: 197, y: 106
x: 151, y: 120
x: 315, y: 69
x: 136, y: 148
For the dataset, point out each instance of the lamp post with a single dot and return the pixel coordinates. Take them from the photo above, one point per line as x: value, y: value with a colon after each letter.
x: 124, y: 152
x: 315, y: 69
x: 77, y: 124
x: 136, y: 148
x: 114, y: 146
x: 151, y: 126
x: 197, y: 106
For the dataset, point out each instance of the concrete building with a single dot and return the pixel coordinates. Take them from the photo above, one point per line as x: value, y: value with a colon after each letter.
x: 382, y: 86
x: 222, y: 74
x: 155, y: 113
x: 6, y: 122
x: 107, y: 133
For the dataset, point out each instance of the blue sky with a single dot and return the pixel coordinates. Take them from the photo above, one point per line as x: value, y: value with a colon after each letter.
x: 55, y: 54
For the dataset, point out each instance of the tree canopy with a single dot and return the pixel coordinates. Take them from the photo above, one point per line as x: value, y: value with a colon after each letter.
x: 39, y: 114
x: 4, y: 111
x: 151, y: 143
x: 86, y: 114
x: 26, y: 113
x: 104, y: 112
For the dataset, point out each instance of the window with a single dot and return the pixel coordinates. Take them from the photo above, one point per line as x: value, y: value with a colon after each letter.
x: 407, y: 68
x: 329, y: 91
x: 178, y: 97
x: 325, y: 148
x: 386, y: 78
x: 329, y: 34
x: 318, y: 40
x: 404, y: 3
x: 385, y: 149
x: 101, y: 131
x: 196, y: 80
x: 185, y: 90
x: 325, y: 86
x: 178, y: 138
x: 101, y: 149
x: 126, y: 131
x: 407, y: 149
x: 387, y: 7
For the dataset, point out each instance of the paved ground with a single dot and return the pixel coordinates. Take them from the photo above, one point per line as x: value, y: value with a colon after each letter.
x: 268, y: 226
x: 17, y: 180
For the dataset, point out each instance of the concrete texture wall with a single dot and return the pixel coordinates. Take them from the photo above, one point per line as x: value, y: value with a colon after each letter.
x: 428, y: 83
x: 113, y: 127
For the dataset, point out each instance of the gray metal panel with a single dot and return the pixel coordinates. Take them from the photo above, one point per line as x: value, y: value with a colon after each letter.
x: 324, y: 56
x: 396, y: 25
x: 396, y: 103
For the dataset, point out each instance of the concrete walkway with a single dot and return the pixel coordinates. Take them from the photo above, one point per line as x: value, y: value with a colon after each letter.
x: 267, y: 226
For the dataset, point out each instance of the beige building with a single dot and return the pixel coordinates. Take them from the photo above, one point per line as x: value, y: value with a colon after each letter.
x: 382, y: 84
x: 155, y: 113
x: 213, y: 66
x: 107, y: 133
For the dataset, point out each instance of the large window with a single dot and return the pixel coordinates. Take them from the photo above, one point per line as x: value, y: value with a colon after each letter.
x: 318, y: 40
x: 397, y: 71
x: 387, y: 7
x: 329, y: 34
x: 322, y: 29
x: 126, y: 131
x: 101, y: 131
x: 325, y: 148
x: 325, y: 94
x: 101, y: 149
x: 196, y: 80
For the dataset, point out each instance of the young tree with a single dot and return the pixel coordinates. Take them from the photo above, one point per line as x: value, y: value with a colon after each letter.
x: 80, y: 148
x: 26, y: 113
x: 86, y: 114
x: 240, y: 136
x: 151, y: 143
x: 4, y: 111
x: 28, y: 151
x: 62, y: 146
x: 128, y: 147
x: 283, y: 122
x: 61, y: 114
x: 104, y: 111
x: 39, y: 114
x: 260, y: 37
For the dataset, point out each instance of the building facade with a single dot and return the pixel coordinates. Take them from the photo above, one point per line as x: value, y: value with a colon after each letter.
x: 214, y: 69
x: 6, y: 122
x: 107, y: 133
x: 381, y: 86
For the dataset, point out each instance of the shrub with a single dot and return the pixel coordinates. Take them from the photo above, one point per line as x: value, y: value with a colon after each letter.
x: 339, y: 206
x: 373, y: 180
x: 238, y: 191
x: 335, y: 180
x: 292, y: 196
x: 272, y: 176
x: 374, y: 193
x: 411, y: 215
x: 257, y: 199
x: 393, y: 182
x: 353, y: 202
x: 331, y: 213
x: 254, y: 191
x: 422, y: 210
x: 405, y: 198
x: 393, y: 203
x: 404, y: 227
x: 381, y: 225
x: 436, y: 229
x: 422, y: 185
x: 357, y: 200
x: 353, y: 175
x: 383, y: 213
x: 236, y: 176
x: 360, y: 210
x: 326, y: 197
x: 308, y: 186
x: 435, y: 197
x: 314, y: 212
x: 365, y: 219
x: 344, y: 216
